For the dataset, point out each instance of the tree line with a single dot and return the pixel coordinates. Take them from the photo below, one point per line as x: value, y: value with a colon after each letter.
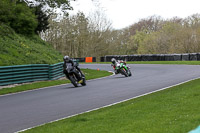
x: 81, y: 36
x: 155, y: 35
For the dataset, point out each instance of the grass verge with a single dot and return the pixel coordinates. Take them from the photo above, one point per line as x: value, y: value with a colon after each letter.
x: 175, y: 110
x: 157, y: 62
x: 89, y: 74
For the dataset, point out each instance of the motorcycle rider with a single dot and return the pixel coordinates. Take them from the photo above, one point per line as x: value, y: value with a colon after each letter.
x: 68, y: 61
x: 115, y: 62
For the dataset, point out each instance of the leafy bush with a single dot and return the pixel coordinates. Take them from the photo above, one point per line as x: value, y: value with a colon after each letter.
x: 19, y: 16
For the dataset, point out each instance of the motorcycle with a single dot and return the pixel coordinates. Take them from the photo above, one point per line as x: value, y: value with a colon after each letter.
x: 73, y: 74
x: 123, y: 69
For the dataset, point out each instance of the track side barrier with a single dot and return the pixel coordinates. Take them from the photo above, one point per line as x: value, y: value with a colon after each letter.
x: 90, y: 59
x: 30, y: 73
x: 154, y: 57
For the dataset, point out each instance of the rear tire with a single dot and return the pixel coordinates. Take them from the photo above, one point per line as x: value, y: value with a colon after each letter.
x: 73, y: 81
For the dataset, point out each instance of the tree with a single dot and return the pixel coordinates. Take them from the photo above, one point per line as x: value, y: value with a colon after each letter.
x: 24, y: 20
x: 6, y: 11
x: 18, y: 16
x: 50, y: 5
x: 150, y: 24
x: 42, y: 18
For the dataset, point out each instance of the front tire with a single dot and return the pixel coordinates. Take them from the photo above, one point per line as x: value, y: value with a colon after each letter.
x: 129, y: 73
x: 84, y: 82
x: 73, y: 81
x: 124, y: 72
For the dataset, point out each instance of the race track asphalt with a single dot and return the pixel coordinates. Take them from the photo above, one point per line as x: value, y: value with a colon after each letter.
x: 32, y: 108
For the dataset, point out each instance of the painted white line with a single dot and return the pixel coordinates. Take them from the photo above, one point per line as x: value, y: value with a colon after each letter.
x: 112, y: 104
x: 53, y: 86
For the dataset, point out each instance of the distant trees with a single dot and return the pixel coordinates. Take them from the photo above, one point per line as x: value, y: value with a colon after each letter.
x: 81, y: 36
x: 68, y: 35
x: 157, y: 36
x: 93, y: 35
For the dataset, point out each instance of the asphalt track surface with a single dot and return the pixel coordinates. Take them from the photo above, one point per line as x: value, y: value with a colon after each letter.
x: 28, y: 109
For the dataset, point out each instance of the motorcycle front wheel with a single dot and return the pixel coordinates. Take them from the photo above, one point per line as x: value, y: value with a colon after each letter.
x: 124, y: 72
x: 129, y: 73
x: 73, y: 81
x: 84, y: 82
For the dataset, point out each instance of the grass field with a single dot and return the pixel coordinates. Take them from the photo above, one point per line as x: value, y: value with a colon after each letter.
x: 89, y: 74
x: 175, y: 110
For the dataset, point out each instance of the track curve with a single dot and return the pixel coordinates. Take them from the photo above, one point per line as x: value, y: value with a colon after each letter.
x: 32, y: 108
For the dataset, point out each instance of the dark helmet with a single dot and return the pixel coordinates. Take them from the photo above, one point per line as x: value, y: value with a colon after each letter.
x: 113, y: 60
x: 66, y: 58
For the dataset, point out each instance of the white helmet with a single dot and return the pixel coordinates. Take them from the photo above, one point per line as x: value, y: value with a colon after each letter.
x: 66, y: 58
x: 113, y: 60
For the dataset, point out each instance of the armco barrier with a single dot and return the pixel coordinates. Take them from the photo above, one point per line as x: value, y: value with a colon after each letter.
x: 56, y: 71
x: 154, y: 57
x: 23, y: 73
x: 29, y: 73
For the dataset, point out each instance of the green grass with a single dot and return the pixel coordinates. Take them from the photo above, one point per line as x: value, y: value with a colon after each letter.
x: 16, y: 49
x: 155, y: 62
x: 89, y: 74
x: 175, y: 110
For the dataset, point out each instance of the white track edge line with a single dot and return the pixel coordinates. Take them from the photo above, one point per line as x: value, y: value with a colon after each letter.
x: 52, y: 86
x: 111, y: 104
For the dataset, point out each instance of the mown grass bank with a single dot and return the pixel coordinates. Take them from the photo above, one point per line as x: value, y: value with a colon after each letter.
x: 175, y: 110
x: 89, y: 74
x: 18, y: 49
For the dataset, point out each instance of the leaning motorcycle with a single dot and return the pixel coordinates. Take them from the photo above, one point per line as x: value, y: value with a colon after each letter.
x: 73, y: 74
x: 123, y: 69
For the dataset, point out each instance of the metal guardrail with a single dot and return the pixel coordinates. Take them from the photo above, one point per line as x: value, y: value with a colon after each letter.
x: 56, y: 71
x: 30, y: 73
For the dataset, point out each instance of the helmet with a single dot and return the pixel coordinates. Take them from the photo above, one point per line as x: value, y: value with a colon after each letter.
x: 113, y: 60
x: 66, y: 58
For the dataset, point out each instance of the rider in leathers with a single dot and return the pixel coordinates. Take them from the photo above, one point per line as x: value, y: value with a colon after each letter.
x: 115, y: 62
x: 68, y: 61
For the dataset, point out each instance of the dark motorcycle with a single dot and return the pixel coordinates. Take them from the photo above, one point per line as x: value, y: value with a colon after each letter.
x: 73, y: 75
